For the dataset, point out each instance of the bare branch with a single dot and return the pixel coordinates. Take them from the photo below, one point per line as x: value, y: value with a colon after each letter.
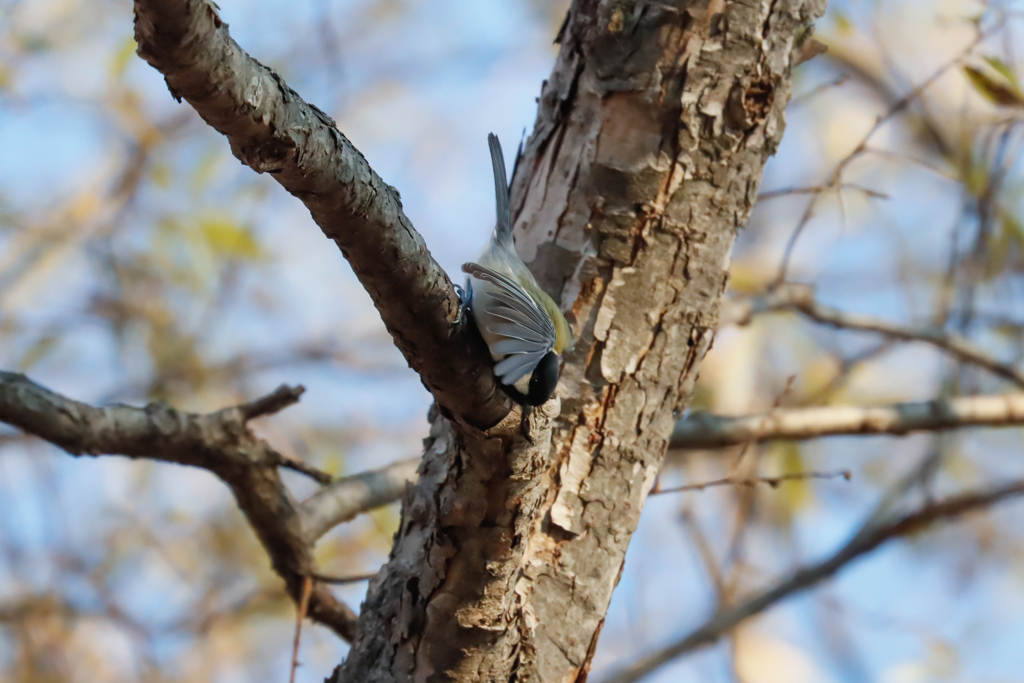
x: 835, y: 177
x: 272, y: 130
x: 318, y: 475
x: 954, y: 345
x: 274, y: 402
x: 343, y: 580
x: 704, y: 430
x: 307, y: 590
x: 818, y: 189
x: 871, y: 535
x: 751, y: 482
x: 348, y: 497
x: 220, y: 442
x: 811, y: 49
x: 800, y: 297
x: 834, y: 83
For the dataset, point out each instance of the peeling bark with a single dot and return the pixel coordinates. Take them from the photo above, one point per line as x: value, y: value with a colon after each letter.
x: 646, y: 157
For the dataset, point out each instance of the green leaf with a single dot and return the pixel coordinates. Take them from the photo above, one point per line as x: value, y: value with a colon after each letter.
x: 994, y: 89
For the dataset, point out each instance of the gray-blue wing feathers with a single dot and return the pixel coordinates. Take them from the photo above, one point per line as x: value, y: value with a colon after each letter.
x: 518, y: 331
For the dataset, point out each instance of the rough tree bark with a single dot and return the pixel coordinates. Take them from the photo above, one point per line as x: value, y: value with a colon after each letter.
x: 646, y: 157
x: 272, y: 130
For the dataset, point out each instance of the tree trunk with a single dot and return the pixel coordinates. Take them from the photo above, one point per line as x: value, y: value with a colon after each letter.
x: 646, y: 157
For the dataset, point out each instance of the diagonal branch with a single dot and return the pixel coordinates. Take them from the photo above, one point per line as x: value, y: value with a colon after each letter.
x: 272, y: 130
x: 346, y: 498
x: 871, y: 535
x: 798, y: 297
x: 704, y: 430
x: 220, y: 442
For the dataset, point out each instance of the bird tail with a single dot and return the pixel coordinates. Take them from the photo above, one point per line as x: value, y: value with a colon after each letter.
x: 503, y: 227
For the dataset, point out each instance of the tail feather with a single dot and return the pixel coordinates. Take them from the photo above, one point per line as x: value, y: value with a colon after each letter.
x: 503, y: 227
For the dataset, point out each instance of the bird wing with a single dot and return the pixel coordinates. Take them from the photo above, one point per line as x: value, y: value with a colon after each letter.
x: 517, y: 330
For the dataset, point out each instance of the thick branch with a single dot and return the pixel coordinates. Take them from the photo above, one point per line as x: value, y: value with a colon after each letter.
x: 646, y: 155
x: 348, y: 497
x: 798, y: 297
x: 703, y: 430
x: 220, y: 442
x: 870, y: 536
x: 272, y: 130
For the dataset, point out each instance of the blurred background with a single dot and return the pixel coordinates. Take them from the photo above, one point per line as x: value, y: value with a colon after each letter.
x: 140, y: 261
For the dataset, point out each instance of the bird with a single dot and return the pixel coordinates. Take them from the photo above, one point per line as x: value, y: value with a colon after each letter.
x: 523, y: 327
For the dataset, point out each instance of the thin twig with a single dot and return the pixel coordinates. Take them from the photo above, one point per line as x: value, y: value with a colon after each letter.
x: 818, y: 189
x: 307, y: 590
x: 776, y: 403
x: 342, y: 580
x: 802, y: 97
x: 751, y: 482
x: 274, y: 402
x: 800, y: 297
x: 321, y: 477
x: 953, y: 344
x: 836, y: 175
x: 873, y: 533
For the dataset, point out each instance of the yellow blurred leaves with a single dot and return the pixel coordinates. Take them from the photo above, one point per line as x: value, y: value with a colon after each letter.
x: 126, y: 104
x: 85, y: 206
x: 37, y: 351
x: 123, y: 56
x: 844, y: 26
x: 192, y: 252
x: 228, y: 239
x: 791, y: 497
x: 760, y: 658
x: 161, y: 175
x: 1003, y: 69
x: 940, y: 662
x: 750, y: 276
x: 204, y: 171
x: 1005, y: 242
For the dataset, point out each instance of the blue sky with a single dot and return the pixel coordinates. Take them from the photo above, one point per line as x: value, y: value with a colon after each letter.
x: 417, y: 86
